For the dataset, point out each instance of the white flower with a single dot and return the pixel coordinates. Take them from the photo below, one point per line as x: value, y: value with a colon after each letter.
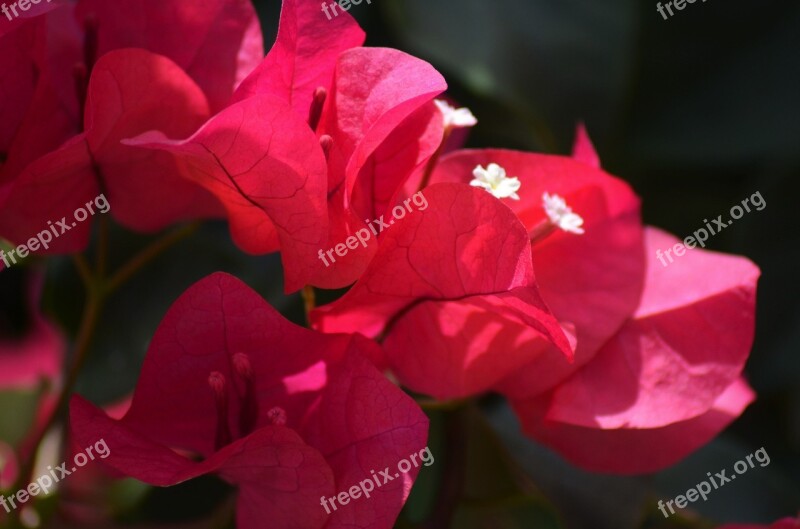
x: 494, y: 180
x: 455, y: 117
x: 561, y: 214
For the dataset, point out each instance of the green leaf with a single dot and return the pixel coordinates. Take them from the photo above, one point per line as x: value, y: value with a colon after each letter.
x: 17, y: 411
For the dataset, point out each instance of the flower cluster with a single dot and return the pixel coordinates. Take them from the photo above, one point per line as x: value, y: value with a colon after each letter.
x: 526, y: 275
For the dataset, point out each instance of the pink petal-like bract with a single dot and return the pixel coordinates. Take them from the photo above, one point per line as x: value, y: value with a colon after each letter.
x: 592, y: 282
x: 383, y: 125
x: 583, y: 150
x: 303, y: 414
x: 37, y: 354
x: 130, y: 92
x: 267, y: 169
x: 216, y: 42
x: 204, y: 51
x: 451, y: 289
x: 654, y: 392
x: 303, y: 56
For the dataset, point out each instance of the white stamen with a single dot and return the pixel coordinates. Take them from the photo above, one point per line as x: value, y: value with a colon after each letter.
x: 561, y: 214
x: 455, y: 117
x: 494, y: 180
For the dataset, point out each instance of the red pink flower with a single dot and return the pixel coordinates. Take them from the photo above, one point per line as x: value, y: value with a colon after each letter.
x: 286, y: 414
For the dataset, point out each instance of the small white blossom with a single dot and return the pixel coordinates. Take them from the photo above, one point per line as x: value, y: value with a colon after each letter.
x: 561, y: 214
x: 455, y: 117
x: 494, y: 180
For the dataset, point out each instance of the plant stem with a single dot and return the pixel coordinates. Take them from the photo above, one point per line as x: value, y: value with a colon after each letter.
x: 441, y: 405
x: 309, y: 302
x: 455, y: 448
x: 148, y: 254
x: 102, y: 246
x: 91, y: 313
x: 431, y: 165
x: 83, y: 269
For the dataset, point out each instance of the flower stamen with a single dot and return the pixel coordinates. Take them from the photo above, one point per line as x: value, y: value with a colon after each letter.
x: 559, y: 216
x: 248, y: 415
x: 315, y: 112
x: 494, y: 180
x: 455, y: 118
x: 216, y: 381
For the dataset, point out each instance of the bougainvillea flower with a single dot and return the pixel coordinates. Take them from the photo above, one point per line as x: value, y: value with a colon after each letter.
x: 785, y: 523
x: 286, y: 414
x: 128, y: 89
x: 266, y: 167
x: 14, y: 18
x: 373, y: 107
x: 216, y: 44
x: 634, y: 450
x: 33, y: 119
x: 316, y: 97
x: 86, y: 496
x: 637, y: 374
x: 583, y: 150
x: 591, y: 281
x: 452, y: 293
x: 303, y: 56
x: 383, y: 125
x: 31, y: 348
x: 655, y: 392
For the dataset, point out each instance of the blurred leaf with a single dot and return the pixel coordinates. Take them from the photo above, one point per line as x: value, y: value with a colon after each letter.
x: 17, y: 411
x: 496, y: 494
x: 552, y: 63
x: 490, y: 490
x: 584, y: 499
x: 127, y: 493
x: 716, y: 83
x: 491, y: 474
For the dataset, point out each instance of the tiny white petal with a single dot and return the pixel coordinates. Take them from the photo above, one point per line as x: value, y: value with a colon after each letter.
x: 494, y: 180
x: 561, y: 214
x: 455, y: 117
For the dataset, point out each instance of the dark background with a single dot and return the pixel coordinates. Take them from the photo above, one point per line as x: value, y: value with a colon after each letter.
x: 697, y: 112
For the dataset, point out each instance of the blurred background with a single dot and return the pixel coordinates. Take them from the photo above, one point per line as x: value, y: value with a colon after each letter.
x: 696, y: 112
